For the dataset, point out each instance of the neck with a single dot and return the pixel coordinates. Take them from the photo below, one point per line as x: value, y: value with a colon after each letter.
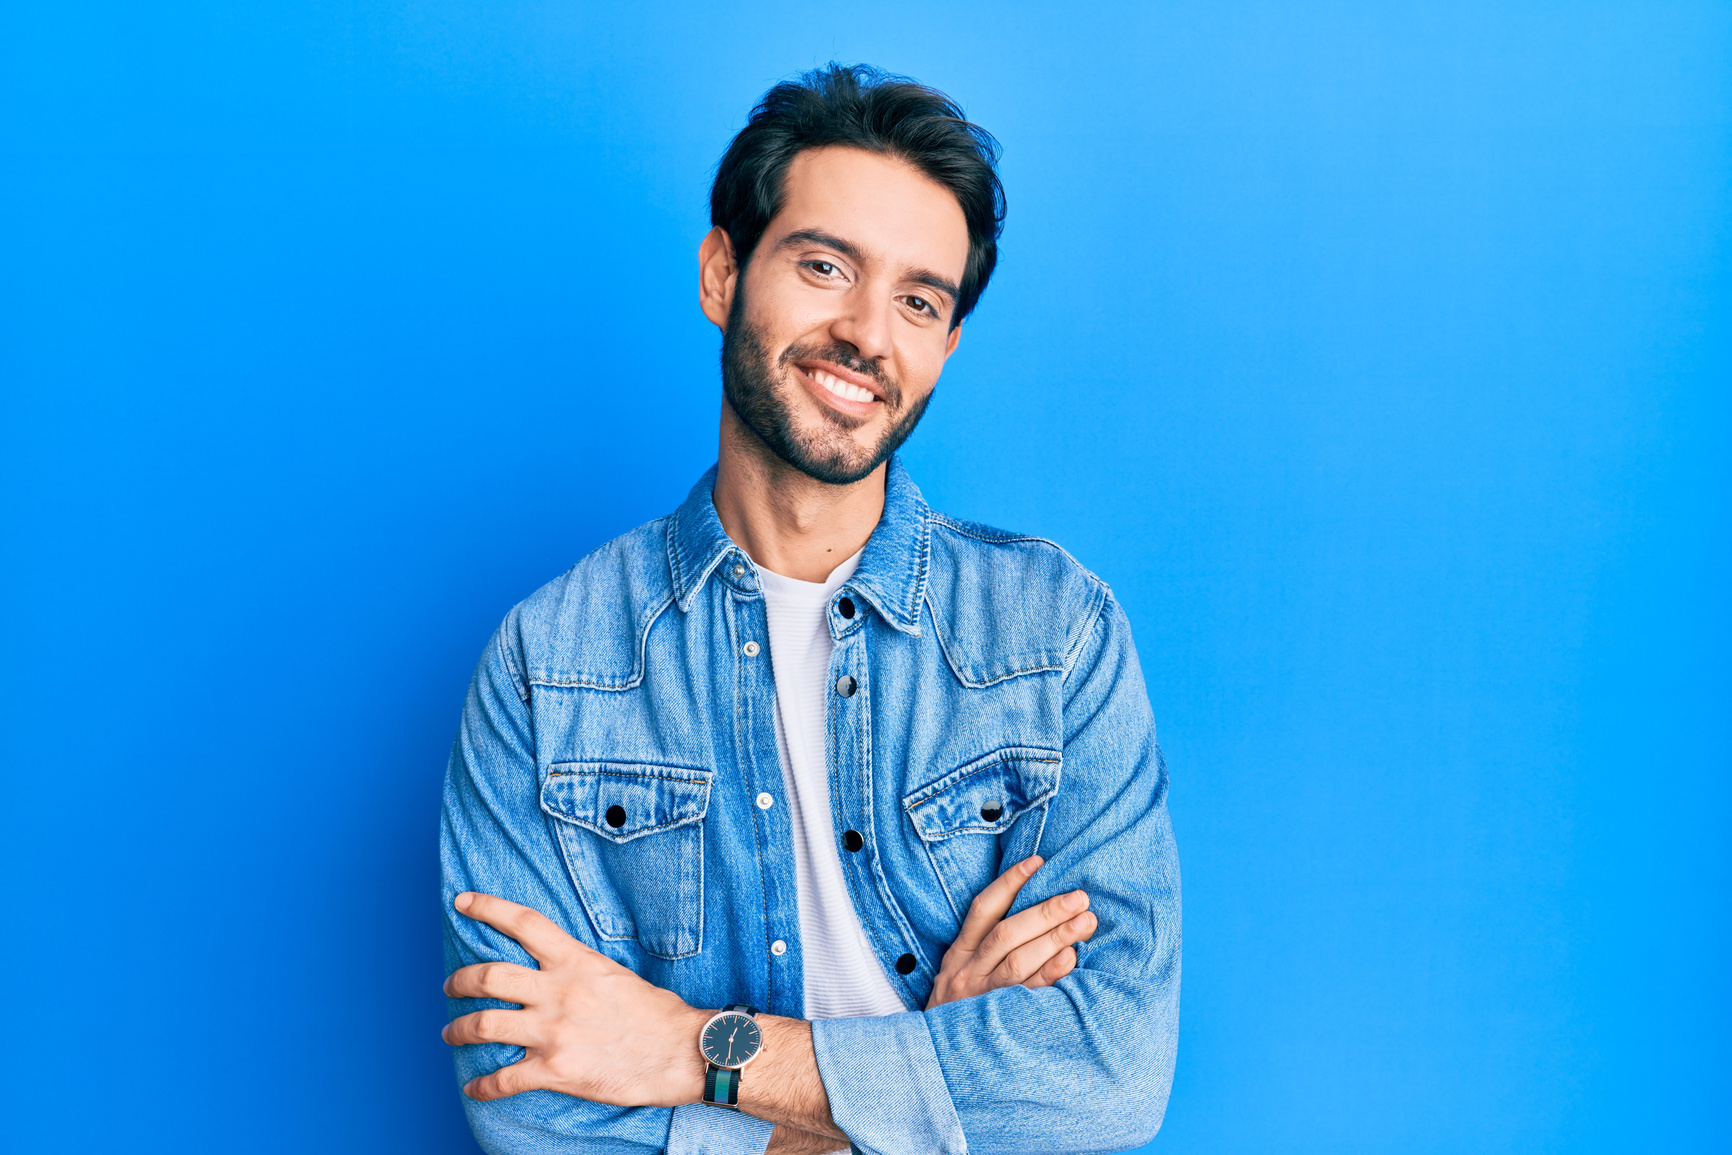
x: 786, y: 522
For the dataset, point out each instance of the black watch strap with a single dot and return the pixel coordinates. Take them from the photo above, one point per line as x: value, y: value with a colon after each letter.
x: 721, y: 1087
x: 722, y: 1084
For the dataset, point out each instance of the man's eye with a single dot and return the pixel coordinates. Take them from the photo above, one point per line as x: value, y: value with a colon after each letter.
x: 920, y: 305
x: 822, y: 268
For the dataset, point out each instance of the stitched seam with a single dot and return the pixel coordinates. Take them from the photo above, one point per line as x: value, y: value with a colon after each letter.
x: 1099, y: 591
x: 588, y: 682
x: 1045, y: 810
x: 966, y: 678
x: 571, y: 874
x: 996, y: 537
x: 647, y: 772
x: 942, y: 885
x: 699, y: 945
x: 946, y: 835
x: 917, y: 574
x: 970, y: 769
x: 1011, y: 539
x: 1092, y: 622
x: 517, y: 678
x: 744, y: 757
x: 617, y: 837
x: 675, y: 560
x: 885, y: 894
x: 833, y: 740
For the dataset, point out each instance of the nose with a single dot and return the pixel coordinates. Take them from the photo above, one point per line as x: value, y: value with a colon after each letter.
x: 864, y: 322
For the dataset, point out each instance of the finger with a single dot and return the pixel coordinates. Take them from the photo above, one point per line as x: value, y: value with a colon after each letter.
x: 1027, y: 926
x: 1028, y: 958
x: 521, y: 1076
x: 491, y: 1026
x: 505, y: 981
x: 538, y: 934
x: 991, y: 903
x: 1058, y: 966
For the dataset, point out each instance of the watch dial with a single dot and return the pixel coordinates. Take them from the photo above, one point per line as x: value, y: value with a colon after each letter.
x: 730, y: 1040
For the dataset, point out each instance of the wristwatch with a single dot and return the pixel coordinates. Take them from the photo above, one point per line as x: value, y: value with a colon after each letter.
x: 729, y: 1041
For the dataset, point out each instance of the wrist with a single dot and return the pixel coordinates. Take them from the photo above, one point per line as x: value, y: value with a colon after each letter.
x: 783, y: 1085
x: 684, y: 1063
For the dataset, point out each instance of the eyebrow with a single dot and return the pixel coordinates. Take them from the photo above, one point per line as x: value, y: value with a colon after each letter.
x: 830, y: 241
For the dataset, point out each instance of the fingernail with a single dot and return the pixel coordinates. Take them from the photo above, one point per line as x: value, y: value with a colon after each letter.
x: 1033, y: 863
x: 463, y: 901
x: 1075, y: 900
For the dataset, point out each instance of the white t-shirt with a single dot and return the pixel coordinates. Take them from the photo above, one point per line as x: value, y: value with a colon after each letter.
x: 843, y: 977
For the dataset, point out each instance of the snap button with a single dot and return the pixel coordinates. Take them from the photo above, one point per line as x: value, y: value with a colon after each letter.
x: 905, y: 965
x: 991, y: 811
x: 765, y: 802
x: 616, y: 816
x: 845, y: 607
x: 845, y: 686
x: 739, y: 571
x: 778, y: 947
x: 750, y: 649
x: 852, y: 840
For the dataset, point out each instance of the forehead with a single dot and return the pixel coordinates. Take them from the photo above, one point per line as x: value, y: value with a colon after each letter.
x: 885, y: 207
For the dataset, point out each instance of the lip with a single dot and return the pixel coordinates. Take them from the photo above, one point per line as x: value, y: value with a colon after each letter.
x: 840, y: 404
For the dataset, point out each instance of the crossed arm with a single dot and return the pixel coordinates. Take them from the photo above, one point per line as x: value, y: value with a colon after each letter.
x: 593, y: 1029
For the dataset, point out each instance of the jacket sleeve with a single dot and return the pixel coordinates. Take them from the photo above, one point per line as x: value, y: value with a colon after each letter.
x: 494, y: 839
x: 1082, y: 1066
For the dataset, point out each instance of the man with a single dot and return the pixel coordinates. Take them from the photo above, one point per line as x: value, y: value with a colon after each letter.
x: 757, y: 785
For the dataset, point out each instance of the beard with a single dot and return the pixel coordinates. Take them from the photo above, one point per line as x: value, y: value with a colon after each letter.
x: 830, y: 455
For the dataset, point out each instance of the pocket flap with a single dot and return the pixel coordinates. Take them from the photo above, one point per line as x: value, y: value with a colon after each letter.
x: 625, y: 800
x: 985, y: 796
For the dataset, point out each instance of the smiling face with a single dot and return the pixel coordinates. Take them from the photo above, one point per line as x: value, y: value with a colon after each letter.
x: 837, y: 330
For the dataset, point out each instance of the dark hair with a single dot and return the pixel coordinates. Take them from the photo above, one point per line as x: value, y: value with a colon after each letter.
x: 862, y: 107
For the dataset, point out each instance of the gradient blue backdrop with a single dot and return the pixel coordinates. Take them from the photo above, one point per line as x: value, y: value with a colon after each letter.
x: 1378, y: 357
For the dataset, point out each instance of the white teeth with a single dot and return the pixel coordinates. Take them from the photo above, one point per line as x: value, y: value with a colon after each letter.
x: 840, y: 387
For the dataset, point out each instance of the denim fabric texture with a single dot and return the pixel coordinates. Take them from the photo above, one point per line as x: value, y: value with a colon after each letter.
x: 987, y: 706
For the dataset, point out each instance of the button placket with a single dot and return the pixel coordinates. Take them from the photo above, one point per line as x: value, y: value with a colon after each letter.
x: 852, y: 800
x: 761, y: 782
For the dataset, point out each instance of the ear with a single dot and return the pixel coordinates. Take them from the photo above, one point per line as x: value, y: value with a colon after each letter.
x: 950, y: 342
x: 718, y: 274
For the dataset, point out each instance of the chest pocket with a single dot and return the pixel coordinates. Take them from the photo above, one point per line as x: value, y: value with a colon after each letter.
x: 633, y: 839
x: 969, y: 819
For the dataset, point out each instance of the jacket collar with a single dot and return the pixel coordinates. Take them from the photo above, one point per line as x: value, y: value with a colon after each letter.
x: 892, y: 571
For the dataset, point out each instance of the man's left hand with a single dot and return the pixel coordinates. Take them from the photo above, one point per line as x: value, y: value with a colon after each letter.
x: 589, y: 1027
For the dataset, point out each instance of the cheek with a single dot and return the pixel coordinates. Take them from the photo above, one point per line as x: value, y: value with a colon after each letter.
x: 920, y: 362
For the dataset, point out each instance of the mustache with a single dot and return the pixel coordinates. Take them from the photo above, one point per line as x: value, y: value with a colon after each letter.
x: 848, y: 357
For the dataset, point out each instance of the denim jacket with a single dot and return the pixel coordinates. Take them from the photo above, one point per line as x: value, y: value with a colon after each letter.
x: 616, y: 748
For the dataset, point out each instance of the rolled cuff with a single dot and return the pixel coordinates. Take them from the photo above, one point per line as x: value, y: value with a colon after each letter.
x: 700, y: 1129
x: 887, y: 1092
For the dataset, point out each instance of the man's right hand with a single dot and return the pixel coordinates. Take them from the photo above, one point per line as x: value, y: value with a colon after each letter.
x: 1035, y: 948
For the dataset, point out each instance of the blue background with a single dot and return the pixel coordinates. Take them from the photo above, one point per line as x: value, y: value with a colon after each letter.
x: 1378, y: 357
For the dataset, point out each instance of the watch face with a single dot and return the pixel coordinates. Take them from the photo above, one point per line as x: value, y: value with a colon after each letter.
x: 730, y: 1039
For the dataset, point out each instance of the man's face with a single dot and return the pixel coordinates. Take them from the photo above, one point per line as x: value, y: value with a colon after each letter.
x: 840, y: 325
